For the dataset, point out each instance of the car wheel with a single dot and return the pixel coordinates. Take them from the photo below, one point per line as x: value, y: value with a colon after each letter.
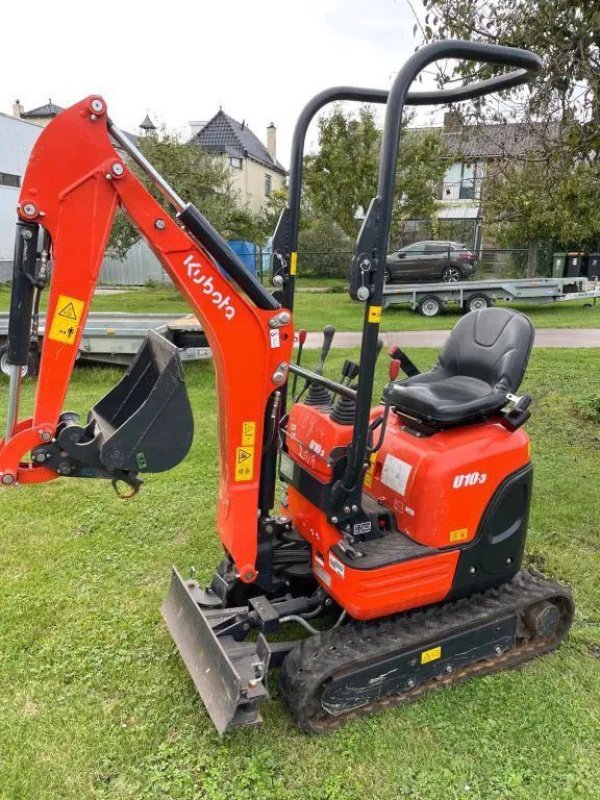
x: 477, y: 302
x: 430, y: 306
x: 387, y: 275
x: 451, y: 274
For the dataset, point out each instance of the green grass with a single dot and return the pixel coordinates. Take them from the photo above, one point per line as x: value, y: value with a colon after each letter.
x: 96, y: 703
x: 313, y: 310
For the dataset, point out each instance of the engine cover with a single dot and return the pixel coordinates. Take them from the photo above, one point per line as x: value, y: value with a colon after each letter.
x: 439, y: 486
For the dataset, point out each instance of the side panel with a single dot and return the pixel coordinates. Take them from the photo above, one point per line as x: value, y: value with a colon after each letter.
x: 439, y: 486
x: 372, y: 593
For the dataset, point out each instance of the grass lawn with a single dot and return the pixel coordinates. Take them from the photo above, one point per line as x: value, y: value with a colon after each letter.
x: 96, y: 703
x: 314, y: 310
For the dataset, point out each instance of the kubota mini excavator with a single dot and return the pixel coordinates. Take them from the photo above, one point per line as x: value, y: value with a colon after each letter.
x: 398, y: 539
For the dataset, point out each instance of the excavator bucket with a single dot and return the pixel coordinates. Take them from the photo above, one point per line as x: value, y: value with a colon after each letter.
x: 145, y: 422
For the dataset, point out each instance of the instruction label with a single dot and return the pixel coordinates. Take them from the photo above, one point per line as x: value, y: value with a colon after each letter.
x: 395, y: 473
x: 244, y: 463
x: 248, y: 433
x: 66, y: 319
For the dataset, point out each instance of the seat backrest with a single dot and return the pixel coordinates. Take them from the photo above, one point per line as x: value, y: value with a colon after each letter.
x: 493, y: 345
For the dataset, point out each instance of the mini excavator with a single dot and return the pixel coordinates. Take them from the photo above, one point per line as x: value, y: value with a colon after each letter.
x: 393, y: 548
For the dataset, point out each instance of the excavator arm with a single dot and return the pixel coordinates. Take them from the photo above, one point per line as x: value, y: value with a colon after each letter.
x: 75, y: 181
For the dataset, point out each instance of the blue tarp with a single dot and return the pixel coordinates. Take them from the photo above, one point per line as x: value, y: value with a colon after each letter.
x: 246, y: 252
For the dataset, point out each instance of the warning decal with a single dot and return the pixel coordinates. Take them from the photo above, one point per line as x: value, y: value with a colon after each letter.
x: 375, y: 314
x: 427, y: 656
x: 293, y: 263
x: 459, y: 535
x: 248, y: 433
x: 244, y: 463
x: 67, y: 317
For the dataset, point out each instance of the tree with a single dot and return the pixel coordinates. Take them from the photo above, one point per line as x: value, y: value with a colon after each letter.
x: 324, y: 250
x: 554, y: 191
x: 200, y: 178
x: 342, y: 176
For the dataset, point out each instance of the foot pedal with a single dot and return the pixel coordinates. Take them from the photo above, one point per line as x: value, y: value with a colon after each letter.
x: 145, y: 422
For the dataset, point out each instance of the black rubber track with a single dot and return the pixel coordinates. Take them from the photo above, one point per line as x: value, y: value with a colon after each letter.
x: 319, y: 658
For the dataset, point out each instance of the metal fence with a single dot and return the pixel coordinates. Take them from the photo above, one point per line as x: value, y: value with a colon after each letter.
x: 492, y: 262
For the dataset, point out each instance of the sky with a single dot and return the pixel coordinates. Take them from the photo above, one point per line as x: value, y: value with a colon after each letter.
x: 261, y: 60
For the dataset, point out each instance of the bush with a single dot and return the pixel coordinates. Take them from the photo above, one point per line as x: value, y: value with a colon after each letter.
x: 324, y: 250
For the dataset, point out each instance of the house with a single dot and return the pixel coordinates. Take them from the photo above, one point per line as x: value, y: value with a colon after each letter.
x: 18, y: 134
x: 477, y: 152
x: 253, y: 167
x: 17, y: 137
x: 39, y: 116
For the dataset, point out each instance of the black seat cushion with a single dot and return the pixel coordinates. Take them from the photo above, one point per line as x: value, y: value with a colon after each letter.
x: 484, y: 358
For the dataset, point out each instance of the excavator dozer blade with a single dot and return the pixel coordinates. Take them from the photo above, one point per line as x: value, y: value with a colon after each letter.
x: 228, y: 675
x: 145, y: 422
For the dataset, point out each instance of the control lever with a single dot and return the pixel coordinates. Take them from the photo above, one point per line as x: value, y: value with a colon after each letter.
x: 318, y: 394
x: 404, y: 362
x: 519, y: 413
x: 301, y: 340
x: 394, y: 369
x: 328, y: 334
x: 350, y: 371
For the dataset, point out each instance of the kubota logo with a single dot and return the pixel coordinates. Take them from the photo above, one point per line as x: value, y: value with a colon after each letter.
x: 194, y: 271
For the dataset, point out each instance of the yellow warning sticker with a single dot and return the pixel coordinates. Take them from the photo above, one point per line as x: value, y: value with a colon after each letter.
x: 248, y: 433
x: 369, y: 473
x: 459, y: 535
x: 66, y: 319
x: 293, y: 263
x: 375, y: 314
x: 427, y: 656
x: 244, y: 463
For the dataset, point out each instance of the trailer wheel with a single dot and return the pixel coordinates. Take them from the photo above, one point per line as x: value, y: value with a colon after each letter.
x: 477, y: 302
x: 430, y: 306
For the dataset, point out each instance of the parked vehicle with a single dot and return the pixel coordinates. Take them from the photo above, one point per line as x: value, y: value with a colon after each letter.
x: 423, y: 261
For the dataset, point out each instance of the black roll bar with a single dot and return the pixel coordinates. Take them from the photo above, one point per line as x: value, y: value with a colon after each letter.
x: 372, y: 242
x: 285, y: 239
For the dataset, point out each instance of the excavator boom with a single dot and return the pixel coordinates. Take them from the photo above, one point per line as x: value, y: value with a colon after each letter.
x: 74, y: 184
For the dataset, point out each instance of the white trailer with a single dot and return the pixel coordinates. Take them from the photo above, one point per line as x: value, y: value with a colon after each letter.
x: 430, y: 299
x: 114, y: 338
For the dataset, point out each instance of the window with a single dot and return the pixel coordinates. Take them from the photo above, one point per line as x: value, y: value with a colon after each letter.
x: 10, y: 180
x: 436, y: 247
x: 236, y: 163
x: 417, y: 247
x: 460, y: 182
x: 267, y: 185
x: 467, y: 182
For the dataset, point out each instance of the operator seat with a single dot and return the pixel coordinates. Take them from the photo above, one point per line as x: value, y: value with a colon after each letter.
x: 484, y: 358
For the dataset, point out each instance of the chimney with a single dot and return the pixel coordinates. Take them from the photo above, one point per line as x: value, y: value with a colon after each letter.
x: 272, y: 141
x: 453, y: 121
x: 17, y: 109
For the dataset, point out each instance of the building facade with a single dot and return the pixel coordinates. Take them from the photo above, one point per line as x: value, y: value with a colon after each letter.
x: 17, y: 137
x: 254, y: 170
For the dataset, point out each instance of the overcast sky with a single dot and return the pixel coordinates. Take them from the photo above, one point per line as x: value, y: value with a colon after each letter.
x: 261, y: 60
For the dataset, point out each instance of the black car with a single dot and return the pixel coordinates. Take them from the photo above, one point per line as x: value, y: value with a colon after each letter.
x: 430, y: 261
